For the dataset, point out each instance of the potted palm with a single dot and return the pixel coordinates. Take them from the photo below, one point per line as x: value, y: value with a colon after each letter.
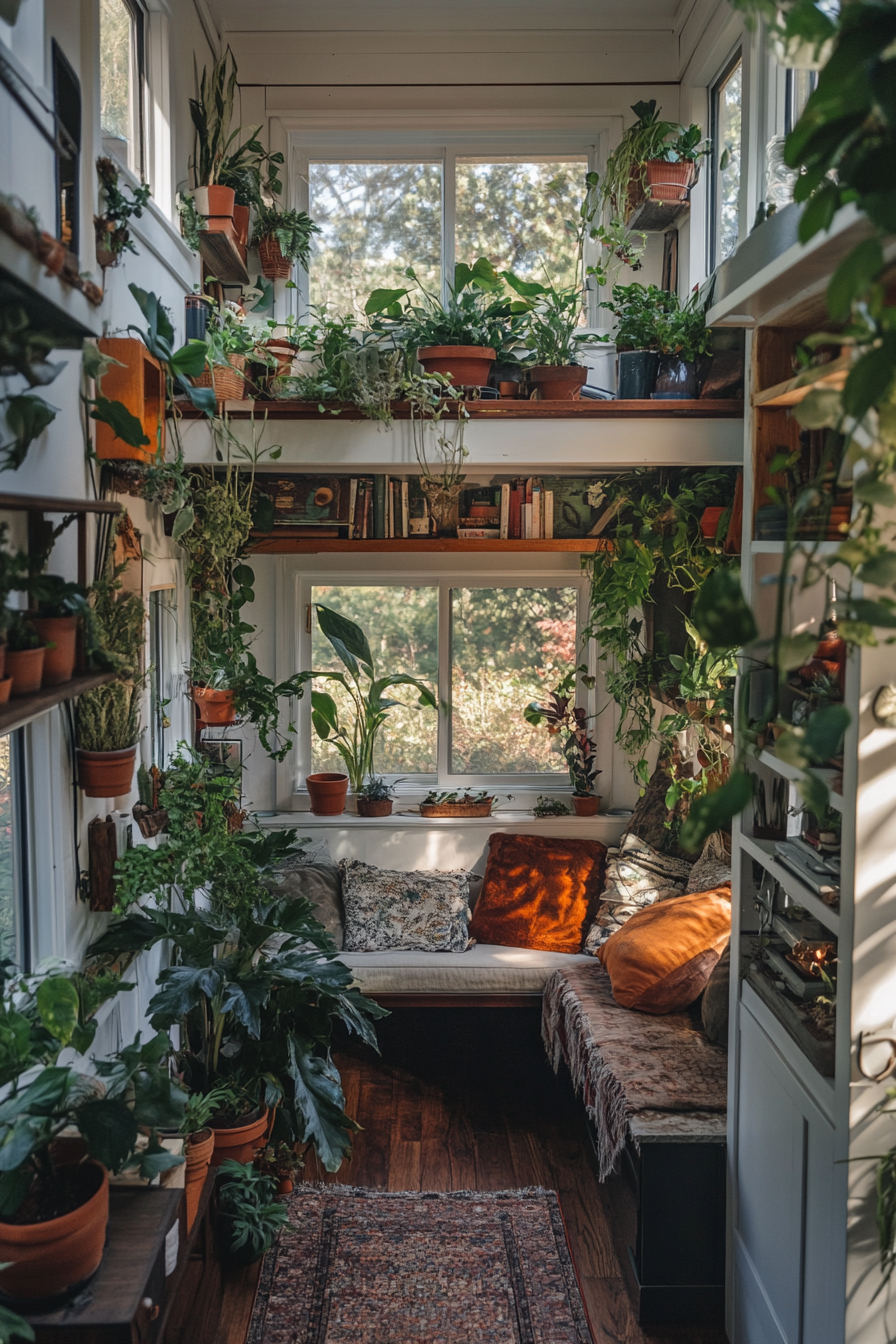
x: 354, y: 735
x: 560, y: 715
x: 53, y: 1212
x: 107, y: 730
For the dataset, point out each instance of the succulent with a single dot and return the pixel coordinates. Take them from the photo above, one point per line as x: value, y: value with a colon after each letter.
x: 376, y: 790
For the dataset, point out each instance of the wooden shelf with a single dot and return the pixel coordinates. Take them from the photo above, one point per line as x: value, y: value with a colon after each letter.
x: 820, y: 1054
x: 221, y: 256
x: 658, y: 216
x: 767, y: 757
x: 791, y: 393
x: 282, y: 543
x: 763, y: 851
x: 37, y: 505
x: 585, y: 409
x: 24, y: 708
x: 52, y: 305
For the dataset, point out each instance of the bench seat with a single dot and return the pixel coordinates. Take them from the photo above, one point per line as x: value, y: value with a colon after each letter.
x: 481, y: 970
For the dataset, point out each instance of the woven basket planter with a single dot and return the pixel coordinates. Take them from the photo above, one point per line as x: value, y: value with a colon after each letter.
x: 669, y: 182
x: 229, y: 384
x: 274, y: 265
x: 457, y: 809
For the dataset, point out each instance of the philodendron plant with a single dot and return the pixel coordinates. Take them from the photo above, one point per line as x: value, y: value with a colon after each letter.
x: 355, y: 740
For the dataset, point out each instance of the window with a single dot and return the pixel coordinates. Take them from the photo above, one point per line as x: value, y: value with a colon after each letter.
x: 67, y: 109
x: 14, y: 924
x: 800, y: 86
x: 162, y: 656
x: 487, y: 649
x: 378, y: 217
x: 727, y: 108
x: 121, y: 81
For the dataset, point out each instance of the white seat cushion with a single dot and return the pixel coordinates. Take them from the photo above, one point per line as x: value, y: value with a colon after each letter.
x: 483, y: 969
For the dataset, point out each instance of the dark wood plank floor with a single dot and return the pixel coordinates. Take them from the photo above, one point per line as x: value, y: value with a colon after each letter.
x: 463, y: 1099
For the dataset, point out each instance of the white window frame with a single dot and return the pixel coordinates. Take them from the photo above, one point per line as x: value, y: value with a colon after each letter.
x: 736, y: 57
x: 139, y: 150
x: 383, y: 144
x: 295, y: 654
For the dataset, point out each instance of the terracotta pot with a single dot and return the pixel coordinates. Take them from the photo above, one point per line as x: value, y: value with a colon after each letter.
x: 51, y: 1258
x: 509, y: 390
x: 229, y: 384
x: 285, y: 1186
x: 219, y: 201
x: 62, y: 632
x: 274, y: 265
x: 198, y: 1154
x: 559, y: 382
x: 106, y: 774
x: 51, y: 252
x: 669, y: 181
x: 240, y: 1143
x: 379, y: 807
x: 215, y: 707
x: 709, y: 520
x: 5, y: 688
x: 586, y: 806
x: 466, y: 365
x: 2, y: 660
x: 26, y: 667
x: 327, y: 793
x: 284, y: 352
x: 241, y: 224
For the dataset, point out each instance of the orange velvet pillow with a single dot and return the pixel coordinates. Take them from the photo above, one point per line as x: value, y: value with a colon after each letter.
x: 662, y: 958
x: 538, y: 892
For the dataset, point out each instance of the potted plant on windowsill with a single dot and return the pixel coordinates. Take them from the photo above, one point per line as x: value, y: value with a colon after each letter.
x: 560, y: 715
x: 25, y: 653
x: 375, y: 798
x: 637, y: 309
x: 683, y: 336
x: 353, y: 734
x: 553, y: 338
x: 53, y: 1213
x: 111, y: 227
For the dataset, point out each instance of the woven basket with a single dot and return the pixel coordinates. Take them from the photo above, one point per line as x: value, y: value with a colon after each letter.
x: 457, y: 809
x: 274, y: 265
x: 229, y: 384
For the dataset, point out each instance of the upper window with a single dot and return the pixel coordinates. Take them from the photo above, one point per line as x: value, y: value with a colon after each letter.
x: 486, y: 650
x: 13, y: 853
x: 800, y: 87
x: 121, y: 81
x: 727, y: 110
x: 379, y: 217
x: 67, y: 109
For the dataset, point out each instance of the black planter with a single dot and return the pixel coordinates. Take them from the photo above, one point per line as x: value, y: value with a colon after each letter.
x: 636, y: 374
x: 676, y: 379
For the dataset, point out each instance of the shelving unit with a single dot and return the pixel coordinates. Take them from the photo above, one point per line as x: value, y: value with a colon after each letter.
x: 77, y: 509
x: 51, y: 305
x: 510, y: 409
x: 793, y: 390
x: 281, y: 543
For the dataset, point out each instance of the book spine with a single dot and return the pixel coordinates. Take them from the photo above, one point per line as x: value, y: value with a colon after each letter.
x: 516, y: 510
x: 405, y: 530
x: 352, y: 501
x: 379, y: 506
x: 358, y: 520
x: 536, y: 513
x: 549, y: 515
x: 527, y: 522
x: 505, y: 511
x: 390, y: 511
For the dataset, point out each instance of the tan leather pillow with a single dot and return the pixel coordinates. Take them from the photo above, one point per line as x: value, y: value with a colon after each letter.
x: 662, y: 958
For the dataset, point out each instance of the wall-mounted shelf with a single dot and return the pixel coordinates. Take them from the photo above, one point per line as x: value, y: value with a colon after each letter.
x: 52, y: 305
x: 763, y: 851
x: 281, y: 543
x: 15, y: 713
x: 221, y: 256
x: 658, y: 216
x: 831, y: 376
x: 37, y: 505
x: 777, y: 548
x: 584, y: 409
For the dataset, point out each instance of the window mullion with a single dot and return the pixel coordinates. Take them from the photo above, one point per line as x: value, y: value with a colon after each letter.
x: 449, y: 212
x: 444, y: 688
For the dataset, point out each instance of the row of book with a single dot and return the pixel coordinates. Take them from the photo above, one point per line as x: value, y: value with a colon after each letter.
x: 386, y: 506
x: 521, y: 508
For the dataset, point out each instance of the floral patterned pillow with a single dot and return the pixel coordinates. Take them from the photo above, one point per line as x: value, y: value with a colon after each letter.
x: 389, y: 911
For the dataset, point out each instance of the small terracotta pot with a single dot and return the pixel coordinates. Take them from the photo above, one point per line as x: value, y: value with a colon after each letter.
x: 374, y: 807
x: 51, y: 252
x: 240, y: 1143
x: 327, y: 793
x: 26, y: 667
x: 229, y: 384
x: 465, y: 365
x: 198, y: 1154
x: 709, y: 520
x: 62, y: 632
x: 274, y: 266
x: 241, y: 224
x: 215, y: 200
x: 284, y: 352
x: 559, y: 382
x: 669, y: 181
x: 5, y: 688
x: 215, y: 707
x: 106, y: 774
x: 50, y: 1258
x: 586, y: 806
x: 285, y: 1186
x: 509, y: 391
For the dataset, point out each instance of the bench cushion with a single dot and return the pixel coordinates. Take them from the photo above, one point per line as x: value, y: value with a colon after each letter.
x: 636, y: 1073
x: 483, y: 969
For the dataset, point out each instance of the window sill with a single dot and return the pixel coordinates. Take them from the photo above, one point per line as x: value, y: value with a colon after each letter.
x: 412, y: 820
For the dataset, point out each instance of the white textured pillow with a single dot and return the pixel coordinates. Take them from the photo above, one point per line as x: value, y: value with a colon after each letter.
x: 388, y: 911
x: 712, y: 869
x: 637, y: 876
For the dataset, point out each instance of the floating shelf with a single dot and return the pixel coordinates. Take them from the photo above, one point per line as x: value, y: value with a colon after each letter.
x: 221, y: 256
x: 282, y: 543
x: 584, y: 409
x: 790, y: 393
x: 24, y: 708
x: 37, y: 505
x: 791, y: 772
x: 658, y: 216
x: 763, y: 851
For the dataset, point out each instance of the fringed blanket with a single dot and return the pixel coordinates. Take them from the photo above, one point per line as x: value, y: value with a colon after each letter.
x: 635, y: 1072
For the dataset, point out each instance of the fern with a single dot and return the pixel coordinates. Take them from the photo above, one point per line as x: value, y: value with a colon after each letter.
x: 108, y: 717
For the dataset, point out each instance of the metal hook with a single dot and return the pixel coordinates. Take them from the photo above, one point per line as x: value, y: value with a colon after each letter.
x: 891, y: 1062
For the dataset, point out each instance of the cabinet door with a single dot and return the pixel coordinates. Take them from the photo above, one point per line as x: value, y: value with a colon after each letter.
x: 785, y: 1242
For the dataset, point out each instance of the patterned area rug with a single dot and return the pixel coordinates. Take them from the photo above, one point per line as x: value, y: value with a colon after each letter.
x: 376, y: 1267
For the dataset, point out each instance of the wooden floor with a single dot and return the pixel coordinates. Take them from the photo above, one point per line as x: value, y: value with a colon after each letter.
x: 463, y: 1099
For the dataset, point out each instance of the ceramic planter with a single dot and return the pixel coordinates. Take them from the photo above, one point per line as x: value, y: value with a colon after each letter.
x: 5, y: 688
x: 217, y: 201
x: 26, y: 667
x: 51, y: 252
x: 587, y: 804
x: 229, y: 383
x: 327, y: 793
x: 198, y: 1154
x: 669, y: 181
x: 465, y: 365
x: 374, y: 807
x: 285, y: 1186
x: 284, y: 352
x: 559, y: 382
x: 59, y: 661
x: 676, y: 379
x: 51, y: 1258
x: 239, y: 1142
x: 106, y: 774
x: 636, y: 374
x: 274, y: 266
x: 215, y: 707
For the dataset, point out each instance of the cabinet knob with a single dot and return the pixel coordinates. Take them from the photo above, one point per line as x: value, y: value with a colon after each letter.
x: 151, y: 1308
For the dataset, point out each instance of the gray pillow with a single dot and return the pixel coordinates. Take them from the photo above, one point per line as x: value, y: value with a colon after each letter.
x: 712, y: 869
x: 388, y: 911
x: 320, y: 884
x: 714, y: 1009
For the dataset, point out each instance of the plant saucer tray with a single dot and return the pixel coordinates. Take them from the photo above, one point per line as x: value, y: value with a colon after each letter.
x: 457, y: 809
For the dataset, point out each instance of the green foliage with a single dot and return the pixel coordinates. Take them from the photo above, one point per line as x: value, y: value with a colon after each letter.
x: 246, y: 1199
x: 200, y: 1108
x: 478, y: 311
x: 681, y: 329
x: 552, y: 335
x: 376, y: 790
x: 116, y: 621
x: 192, y: 224
x: 550, y: 807
x: 211, y: 112
x: 107, y: 718
x: 648, y: 138
x: 118, y: 208
x: 21, y: 635
x: 560, y: 714
x: 181, y: 364
x: 638, y: 309
x: 293, y: 230
x: 27, y: 416
x: 14, y: 574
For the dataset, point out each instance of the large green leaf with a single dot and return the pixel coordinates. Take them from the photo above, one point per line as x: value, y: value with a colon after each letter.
x: 721, y: 614
x: 319, y: 1102
x: 124, y: 425
x: 528, y: 289
x: 711, y: 812
x: 14, y: 1186
x: 13, y: 1327
x: 375, y: 697
x: 347, y: 638
x: 152, y: 1160
x: 324, y: 714
x: 190, y: 360
x: 109, y: 1130
x: 45, y: 1095
x: 383, y: 299
x: 358, y: 1014
x: 57, y: 1003
x: 27, y: 416
x: 181, y: 988
x: 823, y: 737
